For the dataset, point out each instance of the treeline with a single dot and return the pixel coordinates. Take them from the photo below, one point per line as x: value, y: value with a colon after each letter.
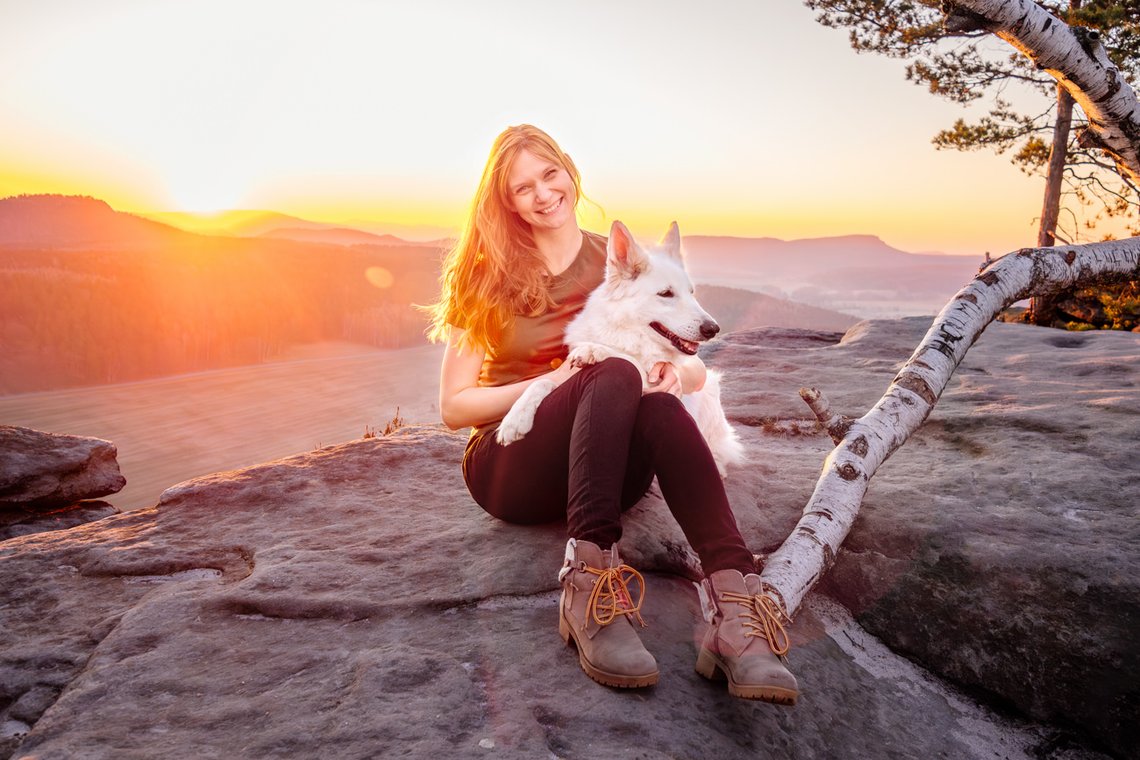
x: 71, y: 318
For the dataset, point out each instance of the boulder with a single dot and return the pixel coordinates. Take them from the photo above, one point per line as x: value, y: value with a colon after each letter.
x: 354, y: 601
x: 44, y: 471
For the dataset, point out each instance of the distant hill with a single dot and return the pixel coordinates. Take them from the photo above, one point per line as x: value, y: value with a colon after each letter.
x: 826, y: 251
x: 80, y: 222
x: 736, y: 309
x: 335, y: 236
x: 859, y: 274
x: 63, y: 222
x: 236, y: 223
x: 259, y: 223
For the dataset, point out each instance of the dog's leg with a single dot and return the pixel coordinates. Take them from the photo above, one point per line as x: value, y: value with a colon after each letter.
x: 585, y: 354
x: 520, y: 418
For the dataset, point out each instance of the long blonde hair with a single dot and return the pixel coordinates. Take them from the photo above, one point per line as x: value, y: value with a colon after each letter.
x: 495, y: 271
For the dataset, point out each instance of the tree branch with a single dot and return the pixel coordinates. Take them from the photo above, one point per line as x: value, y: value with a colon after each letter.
x: 1075, y: 56
x: 961, y: 21
x: 810, y: 550
x: 837, y: 425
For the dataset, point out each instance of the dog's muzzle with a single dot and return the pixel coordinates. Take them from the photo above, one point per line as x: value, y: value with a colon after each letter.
x: 708, y: 330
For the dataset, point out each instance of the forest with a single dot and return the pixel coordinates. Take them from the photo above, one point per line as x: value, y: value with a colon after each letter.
x: 83, y: 317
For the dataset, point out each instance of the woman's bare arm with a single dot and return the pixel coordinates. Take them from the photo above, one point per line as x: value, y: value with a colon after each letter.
x: 687, y: 376
x: 693, y: 373
x: 463, y: 402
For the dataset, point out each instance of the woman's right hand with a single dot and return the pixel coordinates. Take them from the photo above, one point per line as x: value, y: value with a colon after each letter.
x: 663, y: 377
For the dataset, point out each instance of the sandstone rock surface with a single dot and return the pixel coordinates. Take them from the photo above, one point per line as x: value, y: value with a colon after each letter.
x: 24, y: 522
x: 1000, y: 547
x: 354, y: 602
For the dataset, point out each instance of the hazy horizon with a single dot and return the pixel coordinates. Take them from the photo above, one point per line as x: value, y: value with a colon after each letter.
x: 230, y: 222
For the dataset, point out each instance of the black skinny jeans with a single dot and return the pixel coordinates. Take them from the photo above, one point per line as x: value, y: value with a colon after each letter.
x: 592, y: 453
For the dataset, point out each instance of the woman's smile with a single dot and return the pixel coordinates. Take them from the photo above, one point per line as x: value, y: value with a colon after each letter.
x: 551, y: 208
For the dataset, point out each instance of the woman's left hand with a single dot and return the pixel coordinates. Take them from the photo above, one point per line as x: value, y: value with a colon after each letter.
x: 663, y: 378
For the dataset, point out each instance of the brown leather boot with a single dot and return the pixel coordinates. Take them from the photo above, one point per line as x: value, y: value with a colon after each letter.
x: 596, y: 611
x: 745, y: 640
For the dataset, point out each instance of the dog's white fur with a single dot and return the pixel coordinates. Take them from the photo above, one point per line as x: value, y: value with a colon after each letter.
x: 641, y: 288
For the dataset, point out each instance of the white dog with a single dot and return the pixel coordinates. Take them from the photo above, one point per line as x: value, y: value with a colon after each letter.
x: 645, y: 312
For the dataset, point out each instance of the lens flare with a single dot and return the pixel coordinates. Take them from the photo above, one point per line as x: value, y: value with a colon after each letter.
x: 379, y: 276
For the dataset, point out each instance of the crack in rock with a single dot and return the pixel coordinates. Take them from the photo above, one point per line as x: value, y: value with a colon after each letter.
x: 193, y: 574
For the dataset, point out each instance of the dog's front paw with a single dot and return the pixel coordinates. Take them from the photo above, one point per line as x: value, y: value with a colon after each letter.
x: 520, y: 417
x: 585, y: 354
x: 513, y: 427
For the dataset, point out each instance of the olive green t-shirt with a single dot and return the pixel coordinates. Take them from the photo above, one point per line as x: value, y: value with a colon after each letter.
x: 531, y: 346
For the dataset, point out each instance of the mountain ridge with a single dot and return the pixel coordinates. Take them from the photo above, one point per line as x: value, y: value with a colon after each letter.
x: 236, y: 222
x: 335, y: 236
x: 77, y: 221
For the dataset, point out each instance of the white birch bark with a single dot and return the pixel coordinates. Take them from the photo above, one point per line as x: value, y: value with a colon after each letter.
x: 792, y: 570
x: 1077, y: 59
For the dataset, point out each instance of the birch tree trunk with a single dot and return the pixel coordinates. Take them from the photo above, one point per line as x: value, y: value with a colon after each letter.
x: 864, y: 444
x: 1077, y: 59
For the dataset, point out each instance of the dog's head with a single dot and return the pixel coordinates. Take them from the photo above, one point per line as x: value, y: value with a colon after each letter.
x: 656, y: 284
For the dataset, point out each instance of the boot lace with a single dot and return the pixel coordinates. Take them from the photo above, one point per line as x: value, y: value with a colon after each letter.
x: 611, y: 596
x: 763, y: 619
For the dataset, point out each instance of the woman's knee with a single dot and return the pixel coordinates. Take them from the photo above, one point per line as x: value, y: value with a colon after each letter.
x: 662, y: 405
x: 618, y: 376
x: 664, y: 412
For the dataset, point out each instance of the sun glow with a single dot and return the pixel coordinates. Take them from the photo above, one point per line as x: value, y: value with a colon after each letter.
x: 204, y: 195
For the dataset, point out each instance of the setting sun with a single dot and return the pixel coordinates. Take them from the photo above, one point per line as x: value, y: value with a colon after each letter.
x: 203, y: 193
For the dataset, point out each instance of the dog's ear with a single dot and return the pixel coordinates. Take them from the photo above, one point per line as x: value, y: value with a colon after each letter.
x: 624, y: 257
x: 670, y: 244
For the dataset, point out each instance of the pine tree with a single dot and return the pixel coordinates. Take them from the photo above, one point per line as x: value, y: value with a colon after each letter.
x: 956, y: 62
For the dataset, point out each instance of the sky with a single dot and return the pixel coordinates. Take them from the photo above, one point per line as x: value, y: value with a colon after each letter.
x: 735, y: 117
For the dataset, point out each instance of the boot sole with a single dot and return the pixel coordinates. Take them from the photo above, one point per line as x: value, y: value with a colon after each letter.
x: 711, y: 667
x: 601, y: 676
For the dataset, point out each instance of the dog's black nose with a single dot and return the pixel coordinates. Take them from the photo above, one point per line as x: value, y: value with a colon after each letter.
x: 709, y: 329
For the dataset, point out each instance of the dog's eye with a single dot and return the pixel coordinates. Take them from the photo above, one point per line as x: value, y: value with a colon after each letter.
x: 666, y: 293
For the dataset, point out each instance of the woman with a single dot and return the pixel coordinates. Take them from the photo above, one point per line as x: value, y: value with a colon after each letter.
x: 520, y: 271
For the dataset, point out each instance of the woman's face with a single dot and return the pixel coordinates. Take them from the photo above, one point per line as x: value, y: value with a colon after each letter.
x: 541, y: 191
